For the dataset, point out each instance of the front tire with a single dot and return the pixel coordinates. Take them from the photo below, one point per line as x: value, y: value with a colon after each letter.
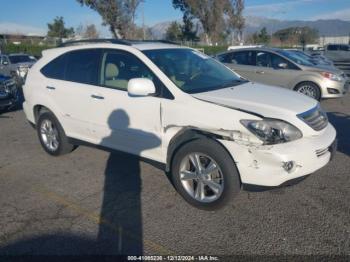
x: 52, y: 136
x: 309, y: 89
x: 205, y: 175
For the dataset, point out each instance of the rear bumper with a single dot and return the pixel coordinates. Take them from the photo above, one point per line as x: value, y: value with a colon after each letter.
x: 28, y: 110
x: 263, y: 165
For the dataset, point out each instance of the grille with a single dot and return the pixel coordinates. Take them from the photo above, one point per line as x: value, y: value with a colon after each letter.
x: 316, y: 118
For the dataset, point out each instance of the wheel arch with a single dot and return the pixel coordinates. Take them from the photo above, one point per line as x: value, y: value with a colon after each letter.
x: 187, y: 135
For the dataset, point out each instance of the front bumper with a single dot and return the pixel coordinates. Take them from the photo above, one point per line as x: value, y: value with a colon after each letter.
x: 341, y: 88
x: 263, y: 165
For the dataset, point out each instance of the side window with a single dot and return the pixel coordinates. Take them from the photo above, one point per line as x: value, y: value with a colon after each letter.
x: 243, y: 58
x: 83, y: 66
x: 344, y: 48
x: 119, y: 67
x: 332, y: 47
x: 277, y: 60
x: 263, y: 59
x: 56, y: 68
x: 225, y: 58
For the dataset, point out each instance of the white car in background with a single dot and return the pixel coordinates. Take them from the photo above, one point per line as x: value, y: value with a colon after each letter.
x: 212, y: 130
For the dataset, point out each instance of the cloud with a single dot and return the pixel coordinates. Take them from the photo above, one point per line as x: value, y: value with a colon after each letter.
x: 276, y: 9
x: 13, y: 28
x: 340, y: 14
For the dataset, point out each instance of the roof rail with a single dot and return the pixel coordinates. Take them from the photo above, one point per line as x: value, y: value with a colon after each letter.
x: 93, y: 41
x: 152, y: 41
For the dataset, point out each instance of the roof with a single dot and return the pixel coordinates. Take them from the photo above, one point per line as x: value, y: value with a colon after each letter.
x: 139, y: 44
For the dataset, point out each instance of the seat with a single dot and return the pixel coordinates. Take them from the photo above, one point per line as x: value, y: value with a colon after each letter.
x: 111, y: 78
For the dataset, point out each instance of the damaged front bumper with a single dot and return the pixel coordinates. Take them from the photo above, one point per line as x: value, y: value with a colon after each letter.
x: 273, y: 165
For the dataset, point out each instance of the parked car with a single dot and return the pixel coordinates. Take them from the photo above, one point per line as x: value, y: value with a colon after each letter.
x: 340, y: 55
x: 16, y: 66
x: 338, y: 52
x: 283, y: 68
x: 8, y: 93
x: 210, y: 129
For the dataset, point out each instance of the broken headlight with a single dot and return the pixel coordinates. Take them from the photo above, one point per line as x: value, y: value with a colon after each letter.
x: 272, y: 131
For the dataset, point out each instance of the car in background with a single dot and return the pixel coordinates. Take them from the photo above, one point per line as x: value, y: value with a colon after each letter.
x: 340, y: 55
x: 234, y: 47
x: 8, y: 93
x: 278, y: 67
x: 16, y: 66
x: 337, y: 52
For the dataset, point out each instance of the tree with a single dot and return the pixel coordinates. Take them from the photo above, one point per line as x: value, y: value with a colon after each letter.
x: 210, y: 13
x: 119, y: 15
x: 236, y: 21
x: 297, y: 35
x: 264, y: 37
x: 91, y: 32
x: 189, y: 33
x: 57, y: 29
x: 174, y: 32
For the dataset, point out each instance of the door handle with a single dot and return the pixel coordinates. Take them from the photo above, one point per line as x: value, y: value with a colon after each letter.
x: 51, y: 87
x: 260, y: 72
x: 97, y: 97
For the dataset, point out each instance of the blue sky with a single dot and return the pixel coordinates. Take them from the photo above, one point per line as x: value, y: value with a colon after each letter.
x: 31, y: 16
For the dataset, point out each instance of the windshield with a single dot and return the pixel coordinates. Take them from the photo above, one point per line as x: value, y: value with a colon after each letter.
x: 296, y: 57
x: 192, y: 71
x: 15, y: 59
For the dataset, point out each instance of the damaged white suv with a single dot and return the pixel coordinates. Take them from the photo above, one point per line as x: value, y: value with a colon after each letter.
x: 212, y: 130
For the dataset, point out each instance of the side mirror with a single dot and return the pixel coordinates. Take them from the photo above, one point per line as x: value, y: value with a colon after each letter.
x: 282, y: 66
x: 140, y: 87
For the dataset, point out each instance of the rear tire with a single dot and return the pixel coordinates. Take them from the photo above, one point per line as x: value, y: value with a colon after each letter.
x: 309, y: 89
x: 205, y: 175
x: 52, y: 136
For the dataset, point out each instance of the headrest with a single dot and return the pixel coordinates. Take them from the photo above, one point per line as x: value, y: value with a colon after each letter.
x: 112, y: 71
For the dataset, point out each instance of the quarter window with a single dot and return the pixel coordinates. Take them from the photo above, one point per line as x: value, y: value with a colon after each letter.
x: 55, y: 69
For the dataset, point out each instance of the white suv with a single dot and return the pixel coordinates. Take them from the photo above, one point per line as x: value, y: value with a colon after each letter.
x: 212, y: 130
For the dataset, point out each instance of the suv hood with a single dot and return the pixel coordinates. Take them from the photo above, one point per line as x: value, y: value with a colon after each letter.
x: 268, y: 101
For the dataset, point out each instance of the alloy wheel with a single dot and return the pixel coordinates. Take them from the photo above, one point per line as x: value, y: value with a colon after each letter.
x: 49, y: 135
x: 201, y: 177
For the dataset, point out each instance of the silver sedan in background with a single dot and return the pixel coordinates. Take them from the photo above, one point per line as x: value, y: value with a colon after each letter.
x: 278, y: 67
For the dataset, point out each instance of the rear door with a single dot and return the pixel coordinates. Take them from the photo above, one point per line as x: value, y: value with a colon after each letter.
x: 242, y: 62
x: 71, y: 80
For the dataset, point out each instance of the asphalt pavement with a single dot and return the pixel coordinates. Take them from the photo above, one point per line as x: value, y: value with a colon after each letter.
x: 97, y: 202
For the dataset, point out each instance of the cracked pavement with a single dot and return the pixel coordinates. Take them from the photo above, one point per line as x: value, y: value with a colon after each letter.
x: 97, y: 202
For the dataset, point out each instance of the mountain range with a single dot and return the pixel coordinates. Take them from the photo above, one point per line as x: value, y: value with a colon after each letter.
x: 327, y: 27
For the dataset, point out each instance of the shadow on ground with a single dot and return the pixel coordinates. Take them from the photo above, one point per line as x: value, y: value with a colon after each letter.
x: 341, y: 122
x: 120, y: 224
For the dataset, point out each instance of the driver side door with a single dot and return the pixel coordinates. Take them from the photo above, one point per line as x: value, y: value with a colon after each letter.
x: 122, y: 122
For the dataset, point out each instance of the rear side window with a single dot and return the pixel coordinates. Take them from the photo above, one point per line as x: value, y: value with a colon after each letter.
x: 55, y: 69
x: 243, y: 58
x: 80, y: 66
